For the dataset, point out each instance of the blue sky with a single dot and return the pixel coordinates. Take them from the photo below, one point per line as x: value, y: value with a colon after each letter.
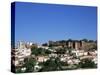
x: 43, y: 22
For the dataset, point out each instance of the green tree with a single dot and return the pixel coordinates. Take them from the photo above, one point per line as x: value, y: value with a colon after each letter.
x: 87, y: 63
x: 34, y: 50
x: 49, y: 65
x: 18, y: 70
x: 45, y: 44
x: 86, y: 40
x: 60, y: 51
x: 47, y: 52
x: 29, y: 64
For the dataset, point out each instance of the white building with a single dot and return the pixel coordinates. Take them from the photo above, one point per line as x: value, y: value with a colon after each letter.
x: 22, y: 52
x: 53, y: 55
x: 42, y: 58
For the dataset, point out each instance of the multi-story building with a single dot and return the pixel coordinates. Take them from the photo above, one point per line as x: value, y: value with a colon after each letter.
x: 22, y: 51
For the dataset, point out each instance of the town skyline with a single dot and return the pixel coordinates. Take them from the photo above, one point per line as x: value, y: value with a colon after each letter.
x: 66, y: 40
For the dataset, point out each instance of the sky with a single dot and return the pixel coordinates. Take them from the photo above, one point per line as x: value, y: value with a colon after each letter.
x: 40, y: 23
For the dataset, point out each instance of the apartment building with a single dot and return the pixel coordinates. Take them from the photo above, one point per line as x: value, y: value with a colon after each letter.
x: 22, y: 51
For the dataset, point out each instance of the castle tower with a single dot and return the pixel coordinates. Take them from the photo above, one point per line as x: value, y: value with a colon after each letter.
x: 77, y: 45
x: 83, y: 44
x: 70, y: 44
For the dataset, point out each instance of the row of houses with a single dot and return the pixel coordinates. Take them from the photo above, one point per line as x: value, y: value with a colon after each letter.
x: 66, y: 57
x: 23, y: 50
